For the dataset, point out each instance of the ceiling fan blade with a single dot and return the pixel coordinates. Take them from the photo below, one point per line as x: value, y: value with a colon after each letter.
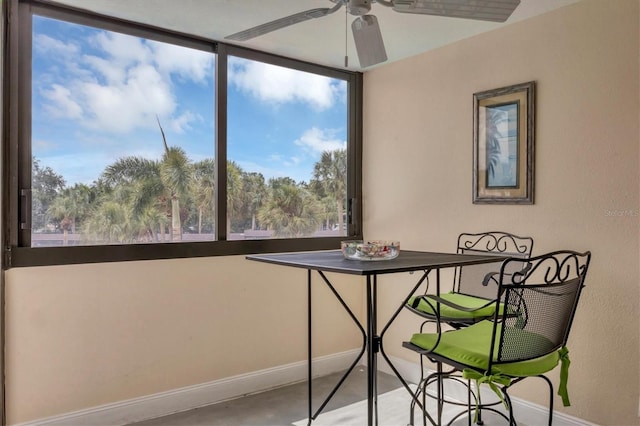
x: 368, y: 40
x: 282, y: 22
x: 483, y: 10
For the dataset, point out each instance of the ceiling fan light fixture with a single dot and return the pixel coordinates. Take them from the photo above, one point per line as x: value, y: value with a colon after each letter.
x: 368, y: 40
x: 484, y: 10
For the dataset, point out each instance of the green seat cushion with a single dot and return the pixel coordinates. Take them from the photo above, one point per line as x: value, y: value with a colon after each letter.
x: 449, y: 312
x: 470, y: 346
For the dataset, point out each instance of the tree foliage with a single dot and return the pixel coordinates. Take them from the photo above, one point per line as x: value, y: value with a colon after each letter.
x: 46, y: 185
x: 143, y: 200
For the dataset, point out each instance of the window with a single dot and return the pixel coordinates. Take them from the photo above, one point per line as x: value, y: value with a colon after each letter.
x: 122, y: 138
x: 286, y: 174
x: 132, y: 143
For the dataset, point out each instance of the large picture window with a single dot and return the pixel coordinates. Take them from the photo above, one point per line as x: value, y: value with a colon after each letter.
x: 133, y: 143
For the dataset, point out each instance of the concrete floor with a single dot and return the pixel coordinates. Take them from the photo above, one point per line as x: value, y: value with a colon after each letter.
x: 278, y: 407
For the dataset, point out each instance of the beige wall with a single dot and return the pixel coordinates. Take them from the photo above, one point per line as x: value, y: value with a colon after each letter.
x: 81, y: 336
x: 417, y: 174
x: 86, y: 335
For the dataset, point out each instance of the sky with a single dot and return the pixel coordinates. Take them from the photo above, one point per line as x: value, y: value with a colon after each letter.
x: 98, y: 96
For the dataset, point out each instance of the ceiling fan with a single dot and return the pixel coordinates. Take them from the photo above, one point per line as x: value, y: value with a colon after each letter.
x: 365, y: 28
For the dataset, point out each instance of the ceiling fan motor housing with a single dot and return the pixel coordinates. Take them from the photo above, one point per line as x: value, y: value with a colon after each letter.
x: 359, y: 7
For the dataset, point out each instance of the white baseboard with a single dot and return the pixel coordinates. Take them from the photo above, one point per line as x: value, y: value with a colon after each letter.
x: 187, y: 398
x: 527, y: 412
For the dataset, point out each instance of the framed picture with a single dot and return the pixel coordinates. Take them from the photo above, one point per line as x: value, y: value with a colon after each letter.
x: 503, y: 145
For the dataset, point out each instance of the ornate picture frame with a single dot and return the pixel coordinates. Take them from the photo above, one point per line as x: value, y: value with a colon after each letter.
x: 503, y: 145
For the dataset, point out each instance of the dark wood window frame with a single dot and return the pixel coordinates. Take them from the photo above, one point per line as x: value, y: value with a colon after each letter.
x: 16, y: 147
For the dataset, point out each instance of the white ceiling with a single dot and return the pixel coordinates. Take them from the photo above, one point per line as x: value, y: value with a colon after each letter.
x: 319, y: 40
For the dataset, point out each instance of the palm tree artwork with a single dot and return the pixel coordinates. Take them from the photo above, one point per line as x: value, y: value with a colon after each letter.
x: 493, y: 143
x: 501, y: 145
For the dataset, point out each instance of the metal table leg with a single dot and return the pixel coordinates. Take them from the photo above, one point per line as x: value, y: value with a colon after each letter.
x: 309, y: 352
x: 372, y: 351
x: 372, y: 344
x: 312, y: 415
x: 414, y: 396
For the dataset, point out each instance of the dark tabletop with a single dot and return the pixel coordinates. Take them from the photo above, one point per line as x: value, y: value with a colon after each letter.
x: 334, y: 261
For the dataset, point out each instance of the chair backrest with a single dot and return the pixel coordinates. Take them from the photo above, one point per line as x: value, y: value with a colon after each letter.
x: 469, y: 279
x: 540, y: 303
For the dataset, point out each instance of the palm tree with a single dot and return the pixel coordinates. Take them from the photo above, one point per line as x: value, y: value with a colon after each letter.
x: 151, y: 220
x: 136, y: 182
x: 176, y: 175
x: 331, y: 174
x: 109, y: 223
x: 329, y: 216
x: 62, y: 208
x: 46, y: 185
x: 68, y: 206
x: 204, y: 188
x: 255, y: 192
x: 145, y: 187
x: 290, y: 211
x: 234, y: 192
x: 83, y: 196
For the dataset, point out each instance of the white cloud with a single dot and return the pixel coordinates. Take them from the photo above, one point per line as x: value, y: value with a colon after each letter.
x: 63, y: 58
x: 320, y: 140
x: 124, y: 50
x: 290, y: 161
x: 183, y: 122
x: 271, y: 83
x: 105, y: 68
x: 62, y: 104
x: 123, y: 84
x: 190, y: 64
x: 44, y: 44
x: 132, y: 103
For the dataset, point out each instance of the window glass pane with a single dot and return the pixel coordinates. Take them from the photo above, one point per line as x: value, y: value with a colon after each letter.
x: 287, y: 162
x: 122, y: 138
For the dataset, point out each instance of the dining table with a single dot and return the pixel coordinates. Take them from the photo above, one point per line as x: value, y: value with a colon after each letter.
x: 333, y: 261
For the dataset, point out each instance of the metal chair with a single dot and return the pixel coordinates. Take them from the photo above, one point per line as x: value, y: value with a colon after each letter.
x: 541, y: 301
x: 474, y: 290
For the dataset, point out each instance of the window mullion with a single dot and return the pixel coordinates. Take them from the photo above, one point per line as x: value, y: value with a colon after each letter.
x: 19, y: 150
x: 221, y: 144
